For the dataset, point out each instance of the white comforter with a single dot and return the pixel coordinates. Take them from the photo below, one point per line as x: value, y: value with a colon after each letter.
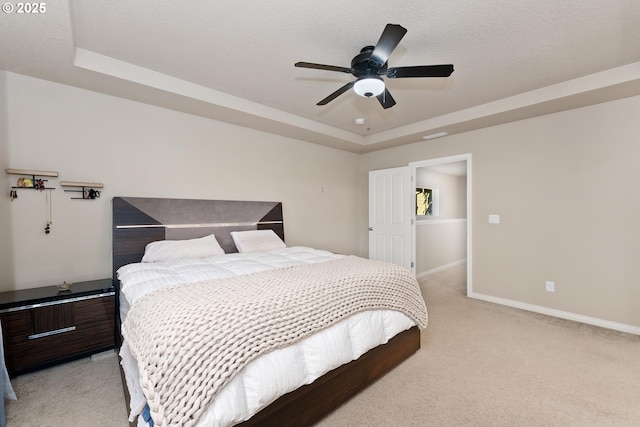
x: 275, y: 373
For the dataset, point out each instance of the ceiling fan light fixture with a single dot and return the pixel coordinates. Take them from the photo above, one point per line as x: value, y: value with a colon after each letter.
x: 371, y: 63
x: 369, y: 86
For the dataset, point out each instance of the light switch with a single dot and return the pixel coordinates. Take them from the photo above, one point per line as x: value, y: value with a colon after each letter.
x: 494, y: 219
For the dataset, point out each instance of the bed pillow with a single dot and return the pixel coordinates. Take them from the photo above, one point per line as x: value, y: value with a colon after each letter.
x: 257, y: 240
x: 171, y: 249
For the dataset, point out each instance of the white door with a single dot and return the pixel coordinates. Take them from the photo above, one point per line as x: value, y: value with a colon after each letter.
x: 390, y: 215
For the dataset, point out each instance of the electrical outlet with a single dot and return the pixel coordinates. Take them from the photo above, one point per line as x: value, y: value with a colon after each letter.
x: 551, y: 286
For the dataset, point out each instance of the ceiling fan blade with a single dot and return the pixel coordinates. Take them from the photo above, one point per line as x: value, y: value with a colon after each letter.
x: 386, y: 100
x: 336, y: 94
x: 322, y: 67
x: 444, y: 70
x: 389, y: 39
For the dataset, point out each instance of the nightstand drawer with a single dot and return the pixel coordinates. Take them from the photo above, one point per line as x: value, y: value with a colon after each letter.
x: 43, y: 334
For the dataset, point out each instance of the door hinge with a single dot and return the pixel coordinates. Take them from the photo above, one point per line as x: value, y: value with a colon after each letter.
x: 411, y: 264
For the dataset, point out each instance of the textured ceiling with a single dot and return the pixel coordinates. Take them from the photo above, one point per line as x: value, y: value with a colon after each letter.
x: 233, y: 60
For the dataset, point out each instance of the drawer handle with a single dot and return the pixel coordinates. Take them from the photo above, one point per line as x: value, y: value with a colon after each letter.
x: 54, y: 332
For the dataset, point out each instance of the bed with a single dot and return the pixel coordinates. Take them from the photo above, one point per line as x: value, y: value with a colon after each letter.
x: 137, y: 222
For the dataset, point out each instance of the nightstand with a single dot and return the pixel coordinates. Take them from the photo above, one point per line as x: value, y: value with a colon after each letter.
x: 44, y: 326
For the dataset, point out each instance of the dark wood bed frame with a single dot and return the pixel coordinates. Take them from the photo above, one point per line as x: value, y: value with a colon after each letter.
x: 138, y: 221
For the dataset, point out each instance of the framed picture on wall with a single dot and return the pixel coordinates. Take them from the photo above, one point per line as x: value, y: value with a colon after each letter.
x: 424, y: 201
x: 427, y: 202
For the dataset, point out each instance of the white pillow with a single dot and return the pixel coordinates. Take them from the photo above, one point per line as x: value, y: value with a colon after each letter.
x: 170, y: 249
x: 257, y: 240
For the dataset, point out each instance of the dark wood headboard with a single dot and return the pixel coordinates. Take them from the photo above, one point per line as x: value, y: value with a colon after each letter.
x: 138, y: 221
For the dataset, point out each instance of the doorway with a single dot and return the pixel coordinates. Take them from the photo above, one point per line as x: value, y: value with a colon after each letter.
x: 441, y: 232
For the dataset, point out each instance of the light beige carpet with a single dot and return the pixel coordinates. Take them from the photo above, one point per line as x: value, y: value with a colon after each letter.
x: 483, y: 364
x: 83, y: 393
x: 480, y: 364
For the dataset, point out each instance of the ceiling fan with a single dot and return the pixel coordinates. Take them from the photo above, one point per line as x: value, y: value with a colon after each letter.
x: 371, y: 63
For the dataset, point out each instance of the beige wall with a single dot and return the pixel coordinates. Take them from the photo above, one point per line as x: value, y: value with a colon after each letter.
x: 452, y: 199
x: 141, y: 150
x: 565, y: 187
x: 440, y: 244
x: 6, y: 254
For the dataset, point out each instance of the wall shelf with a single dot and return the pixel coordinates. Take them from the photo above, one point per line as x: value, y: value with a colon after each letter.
x: 36, y: 182
x: 31, y: 172
x: 86, y: 189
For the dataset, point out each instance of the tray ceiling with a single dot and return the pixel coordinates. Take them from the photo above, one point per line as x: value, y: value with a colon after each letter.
x: 233, y: 60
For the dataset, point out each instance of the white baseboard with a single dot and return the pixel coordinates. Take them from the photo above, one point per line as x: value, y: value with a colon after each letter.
x: 558, y: 313
x: 441, y: 268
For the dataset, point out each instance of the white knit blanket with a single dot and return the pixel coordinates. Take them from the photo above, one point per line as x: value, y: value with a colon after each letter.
x: 190, y: 340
